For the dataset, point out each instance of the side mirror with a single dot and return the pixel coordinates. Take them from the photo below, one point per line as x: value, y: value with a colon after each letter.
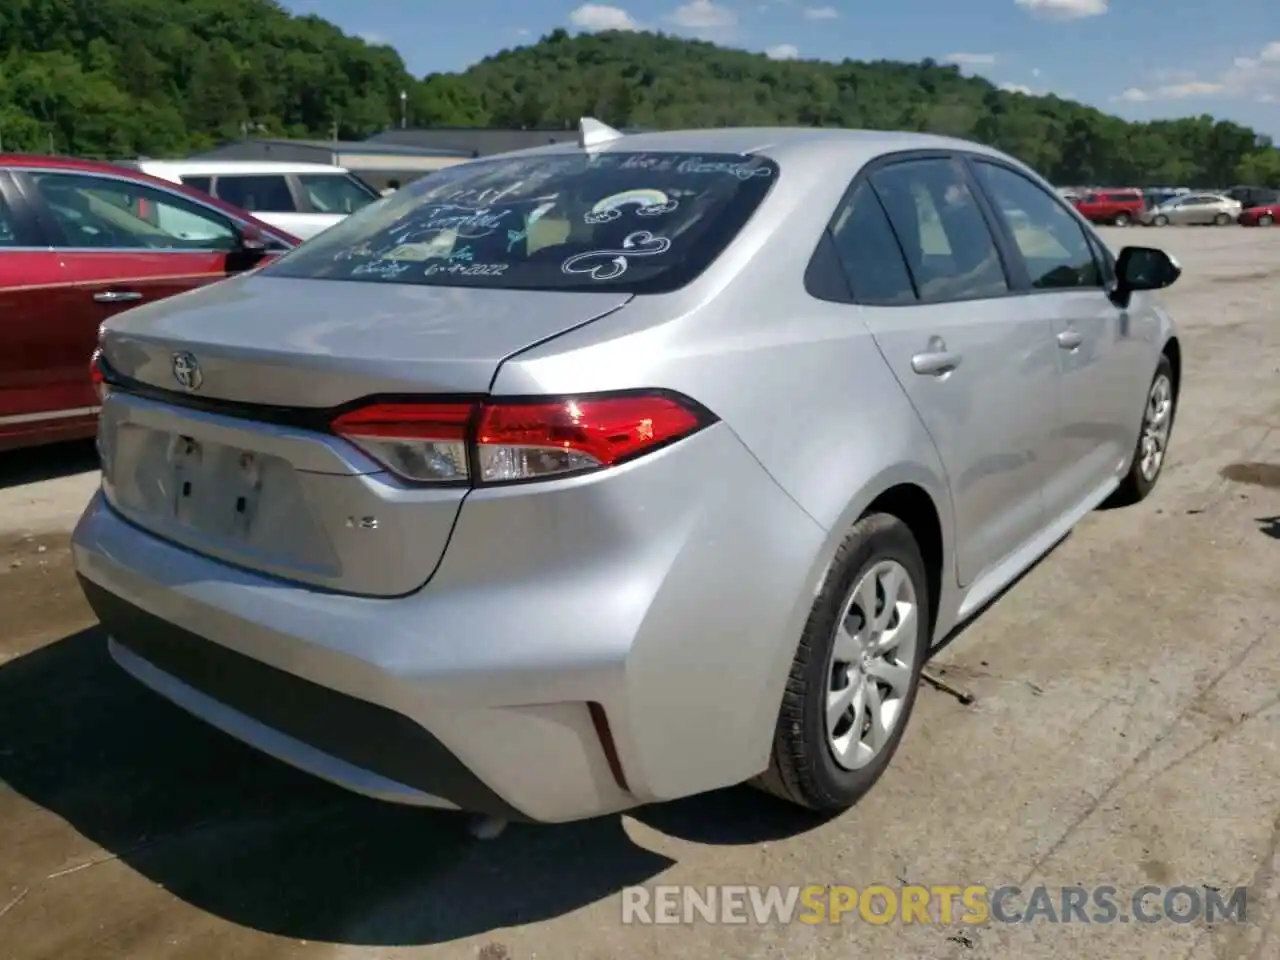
x: 250, y: 240
x: 1143, y: 268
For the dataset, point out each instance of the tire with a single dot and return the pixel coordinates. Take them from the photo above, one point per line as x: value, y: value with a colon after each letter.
x: 1120, y: 220
x: 804, y: 767
x: 1160, y: 221
x: 1139, y: 481
x: 1266, y: 220
x: 1222, y: 220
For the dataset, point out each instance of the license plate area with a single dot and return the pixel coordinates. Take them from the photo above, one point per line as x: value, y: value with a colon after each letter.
x: 246, y: 506
x: 217, y: 489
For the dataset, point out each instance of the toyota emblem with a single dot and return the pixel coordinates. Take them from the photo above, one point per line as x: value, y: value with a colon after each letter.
x: 186, y: 370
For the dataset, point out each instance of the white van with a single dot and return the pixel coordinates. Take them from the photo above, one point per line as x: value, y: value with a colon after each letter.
x: 299, y: 198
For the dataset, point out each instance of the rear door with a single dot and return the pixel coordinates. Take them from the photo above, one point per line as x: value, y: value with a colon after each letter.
x: 1066, y: 286
x: 39, y: 395
x: 119, y: 244
x: 979, y: 369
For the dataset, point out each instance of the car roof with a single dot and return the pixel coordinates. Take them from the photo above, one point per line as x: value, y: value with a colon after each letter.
x: 46, y: 162
x: 216, y: 168
x: 774, y: 143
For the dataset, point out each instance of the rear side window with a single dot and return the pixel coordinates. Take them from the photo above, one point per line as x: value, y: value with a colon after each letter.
x: 869, y: 251
x: 948, y: 246
x: 640, y: 222
x: 257, y: 194
x: 197, y: 183
x: 335, y: 192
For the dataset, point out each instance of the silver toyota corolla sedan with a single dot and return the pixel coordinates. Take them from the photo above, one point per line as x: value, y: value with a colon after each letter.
x: 1194, y: 208
x: 612, y: 472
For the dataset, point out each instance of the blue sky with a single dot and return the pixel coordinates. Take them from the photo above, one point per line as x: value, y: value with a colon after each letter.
x: 1138, y: 58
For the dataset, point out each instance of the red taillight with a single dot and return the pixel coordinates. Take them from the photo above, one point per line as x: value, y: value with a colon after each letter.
x: 504, y: 442
x: 419, y: 441
x: 96, y: 375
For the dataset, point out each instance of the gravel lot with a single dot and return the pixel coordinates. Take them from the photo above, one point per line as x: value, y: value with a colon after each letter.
x: 1126, y: 730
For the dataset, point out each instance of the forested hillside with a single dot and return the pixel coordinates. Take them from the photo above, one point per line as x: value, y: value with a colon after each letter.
x: 160, y: 77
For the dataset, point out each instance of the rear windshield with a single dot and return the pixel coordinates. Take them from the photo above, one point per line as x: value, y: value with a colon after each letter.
x: 641, y: 222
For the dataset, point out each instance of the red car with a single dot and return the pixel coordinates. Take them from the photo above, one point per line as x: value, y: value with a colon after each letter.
x: 80, y: 241
x: 1116, y: 207
x: 1260, y: 216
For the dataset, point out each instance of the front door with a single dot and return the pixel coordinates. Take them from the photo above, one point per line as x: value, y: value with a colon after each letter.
x: 1067, y: 287
x: 122, y: 244
x: 978, y: 368
x: 33, y: 401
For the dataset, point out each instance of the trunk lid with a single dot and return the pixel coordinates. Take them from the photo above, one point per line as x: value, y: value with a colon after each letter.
x: 276, y: 494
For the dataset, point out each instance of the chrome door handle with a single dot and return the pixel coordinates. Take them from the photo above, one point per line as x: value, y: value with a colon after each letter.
x: 935, y: 363
x: 1069, y: 339
x: 116, y: 296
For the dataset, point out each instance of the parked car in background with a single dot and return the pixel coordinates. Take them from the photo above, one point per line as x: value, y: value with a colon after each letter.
x: 1119, y: 208
x: 80, y: 242
x: 1193, y: 209
x: 332, y: 519
x: 1249, y: 197
x: 300, y: 198
x: 1263, y: 216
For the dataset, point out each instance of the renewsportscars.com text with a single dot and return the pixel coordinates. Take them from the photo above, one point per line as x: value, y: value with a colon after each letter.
x: 946, y: 904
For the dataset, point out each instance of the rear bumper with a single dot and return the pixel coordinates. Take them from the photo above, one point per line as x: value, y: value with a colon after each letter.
x: 677, y: 617
x: 373, y: 750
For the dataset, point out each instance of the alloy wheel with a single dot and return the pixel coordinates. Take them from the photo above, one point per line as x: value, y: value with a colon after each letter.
x: 872, y: 659
x: 1157, y: 420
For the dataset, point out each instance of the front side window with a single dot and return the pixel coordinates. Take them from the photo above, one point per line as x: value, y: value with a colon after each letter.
x: 197, y: 183
x: 642, y: 222
x: 99, y: 212
x: 257, y: 194
x: 869, y: 251
x: 1052, y: 243
x: 944, y: 236
x: 335, y: 192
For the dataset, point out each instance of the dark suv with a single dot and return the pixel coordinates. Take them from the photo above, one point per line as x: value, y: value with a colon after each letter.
x: 1254, y: 196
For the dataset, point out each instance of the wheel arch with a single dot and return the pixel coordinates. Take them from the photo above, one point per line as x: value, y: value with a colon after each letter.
x: 913, y: 505
x: 920, y: 497
x: 1173, y: 350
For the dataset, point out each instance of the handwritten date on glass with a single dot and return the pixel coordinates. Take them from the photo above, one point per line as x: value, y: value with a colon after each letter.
x: 466, y: 269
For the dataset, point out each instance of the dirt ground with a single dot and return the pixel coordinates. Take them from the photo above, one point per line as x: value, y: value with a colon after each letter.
x: 1126, y: 730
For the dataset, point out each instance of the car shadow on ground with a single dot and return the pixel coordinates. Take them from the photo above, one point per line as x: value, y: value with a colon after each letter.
x: 1269, y: 526
x: 20, y: 467
x: 259, y: 844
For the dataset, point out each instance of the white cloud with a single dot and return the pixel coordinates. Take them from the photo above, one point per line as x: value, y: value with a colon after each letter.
x: 1248, y: 78
x: 601, y: 16
x: 703, y: 15
x: 1065, y: 9
x: 970, y: 59
x: 783, y: 51
x: 373, y: 39
x: 1018, y: 88
x: 821, y: 13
